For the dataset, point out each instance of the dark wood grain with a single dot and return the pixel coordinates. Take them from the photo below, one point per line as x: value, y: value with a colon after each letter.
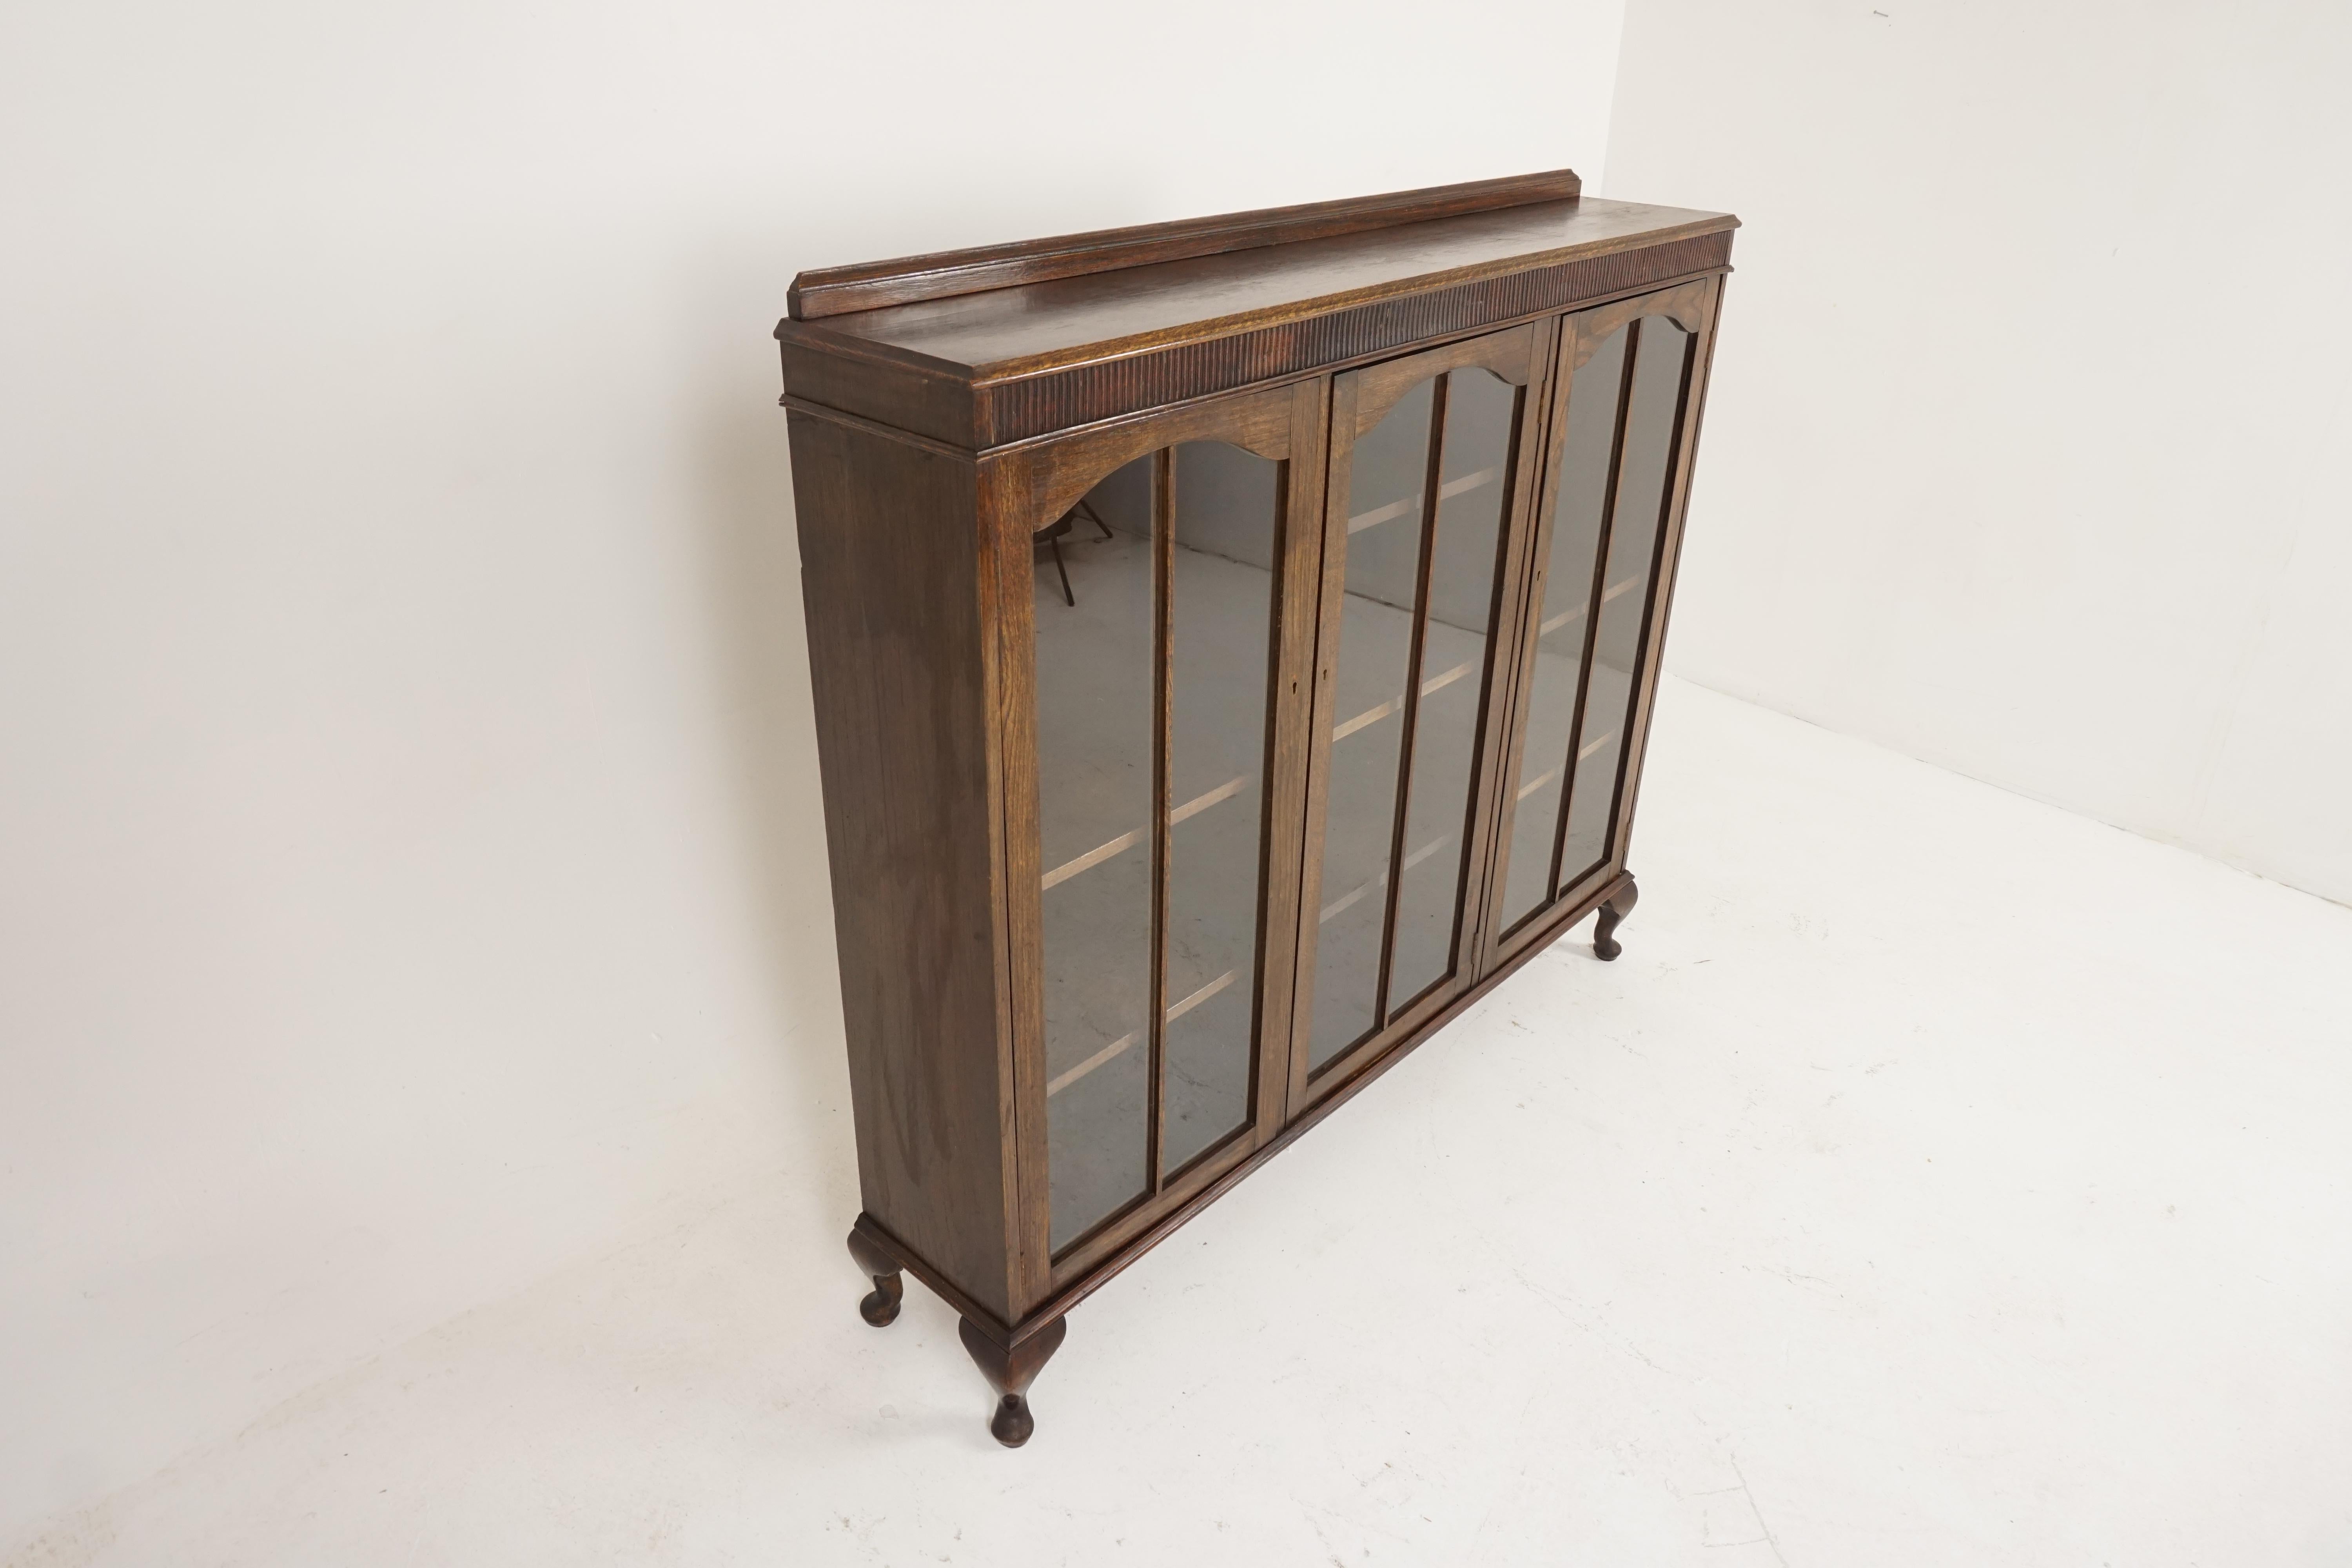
x: 1592, y: 328
x: 1297, y: 619
x: 898, y: 669
x: 1163, y: 724
x: 834, y: 291
x: 1693, y: 307
x: 1010, y: 411
x: 1011, y: 500
x: 931, y: 438
x: 1062, y: 471
x: 890, y: 390
x: 1544, y: 498
x: 1283, y: 424
x: 1361, y: 398
x: 1010, y: 1369
x: 1613, y: 909
x: 1331, y: 586
x: 880, y: 1307
x: 1516, y: 616
x: 1009, y: 333
x: 1409, y: 721
x: 1023, y: 362
x: 1662, y: 601
x: 1660, y: 523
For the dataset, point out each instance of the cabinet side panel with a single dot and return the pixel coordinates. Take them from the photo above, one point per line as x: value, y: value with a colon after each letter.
x: 898, y: 656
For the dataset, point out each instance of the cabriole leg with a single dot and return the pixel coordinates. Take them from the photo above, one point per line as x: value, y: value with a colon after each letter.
x: 880, y: 1308
x: 1618, y: 905
x: 1011, y: 1371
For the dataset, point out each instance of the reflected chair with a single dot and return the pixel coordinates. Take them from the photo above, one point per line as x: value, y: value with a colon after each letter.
x: 1051, y: 535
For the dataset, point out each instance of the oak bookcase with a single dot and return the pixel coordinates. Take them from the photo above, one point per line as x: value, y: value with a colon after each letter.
x: 1232, y: 643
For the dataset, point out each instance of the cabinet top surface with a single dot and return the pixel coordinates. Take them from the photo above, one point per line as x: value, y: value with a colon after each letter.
x: 1030, y: 327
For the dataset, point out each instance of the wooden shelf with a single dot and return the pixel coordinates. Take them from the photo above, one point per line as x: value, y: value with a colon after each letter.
x: 1411, y: 505
x: 1372, y: 716
x: 1110, y: 848
x: 1338, y: 905
x: 1175, y: 1010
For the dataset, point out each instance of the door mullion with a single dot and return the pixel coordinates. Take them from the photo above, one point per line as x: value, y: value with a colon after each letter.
x: 1593, y: 601
x: 1666, y: 495
x: 1163, y: 563
x: 1548, y: 397
x: 1412, y: 716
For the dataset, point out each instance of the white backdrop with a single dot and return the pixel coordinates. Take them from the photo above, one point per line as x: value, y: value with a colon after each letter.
x: 410, y: 871
x: 2030, y: 445
x: 411, y: 874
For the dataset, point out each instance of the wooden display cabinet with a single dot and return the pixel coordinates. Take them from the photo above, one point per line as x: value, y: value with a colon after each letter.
x: 1233, y: 643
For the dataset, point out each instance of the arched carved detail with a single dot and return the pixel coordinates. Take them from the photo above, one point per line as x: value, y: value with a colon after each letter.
x: 1062, y: 472
x: 1380, y: 388
x: 1685, y: 306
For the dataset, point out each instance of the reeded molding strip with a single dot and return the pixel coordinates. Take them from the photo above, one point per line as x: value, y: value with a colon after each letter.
x: 1016, y: 410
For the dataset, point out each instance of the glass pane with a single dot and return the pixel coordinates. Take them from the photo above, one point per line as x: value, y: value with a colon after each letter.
x: 1660, y: 352
x: 1473, y: 480
x: 1220, y: 664
x: 1387, y: 476
x: 1095, y: 722
x: 1563, y: 622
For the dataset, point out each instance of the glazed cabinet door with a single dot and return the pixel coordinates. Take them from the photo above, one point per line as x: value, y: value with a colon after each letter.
x: 1154, y: 656
x: 1431, y: 471
x: 1620, y: 434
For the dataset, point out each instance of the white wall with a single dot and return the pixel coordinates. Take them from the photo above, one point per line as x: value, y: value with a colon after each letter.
x: 2030, y: 448
x: 410, y: 870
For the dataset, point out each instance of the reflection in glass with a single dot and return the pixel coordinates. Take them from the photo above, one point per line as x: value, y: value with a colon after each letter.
x: 1387, y: 481
x: 1221, y: 619
x: 1388, y: 473
x: 1099, y: 702
x: 1474, y: 479
x: 1095, y: 724
x: 1389, y: 684
x: 1563, y: 624
x: 1661, y: 360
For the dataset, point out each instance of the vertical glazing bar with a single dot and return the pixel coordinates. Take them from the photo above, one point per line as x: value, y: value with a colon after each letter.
x: 1650, y: 586
x: 1592, y: 597
x: 1411, y: 716
x: 1163, y: 574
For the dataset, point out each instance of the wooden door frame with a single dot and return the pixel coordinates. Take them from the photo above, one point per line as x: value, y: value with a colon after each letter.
x: 1661, y: 606
x: 1694, y: 306
x: 1521, y: 354
x: 1020, y: 490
